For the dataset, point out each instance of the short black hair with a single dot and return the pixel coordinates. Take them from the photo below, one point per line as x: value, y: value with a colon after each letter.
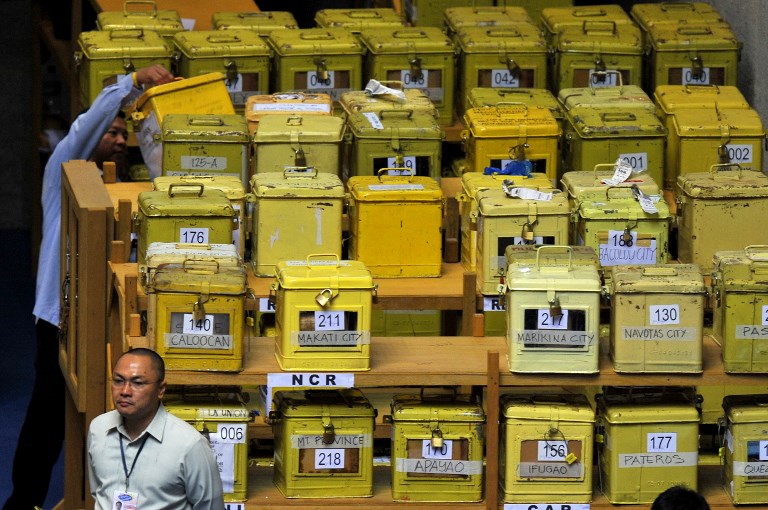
x: 680, y: 497
x: 157, y: 361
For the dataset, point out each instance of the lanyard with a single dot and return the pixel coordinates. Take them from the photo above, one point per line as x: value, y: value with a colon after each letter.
x: 133, y: 465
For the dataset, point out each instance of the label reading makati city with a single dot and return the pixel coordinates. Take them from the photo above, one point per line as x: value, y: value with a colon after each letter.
x: 622, y: 249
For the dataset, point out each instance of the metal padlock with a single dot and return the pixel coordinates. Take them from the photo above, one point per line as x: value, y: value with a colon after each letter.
x: 437, y: 438
x: 527, y: 231
x: 324, y: 297
x: 554, y: 307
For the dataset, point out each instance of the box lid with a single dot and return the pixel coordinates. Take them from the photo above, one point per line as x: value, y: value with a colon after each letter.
x: 408, y: 40
x: 316, y: 403
x: 741, y: 270
x: 512, y: 120
x: 726, y: 180
x: 306, y: 103
x: 394, y: 124
x: 728, y: 123
x: 560, y: 275
x: 185, y: 200
x: 394, y: 188
x: 657, y: 279
x: 604, y: 38
x: 441, y: 408
x: 297, y: 183
x: 496, y: 202
x: 165, y: 22
x: 321, y: 271
x: 186, y: 86
x: 485, y: 16
x: 532, y: 255
x: 158, y: 253
x: 261, y: 22
x: 671, y: 98
x: 121, y: 44
x: 553, y: 408
x: 704, y: 36
x: 519, y: 39
x: 647, y: 14
x: 200, y: 277
x: 620, y: 96
x: 357, y: 20
x: 204, y: 128
x: 299, y: 128
x: 210, y: 407
x: 556, y: 18
x: 584, y: 184
x: 472, y: 182
x: 232, y: 42
x: 746, y: 408
x: 597, y: 122
x: 315, y: 41
x: 231, y: 185
x: 659, y: 407
x: 492, y: 96
x: 415, y: 99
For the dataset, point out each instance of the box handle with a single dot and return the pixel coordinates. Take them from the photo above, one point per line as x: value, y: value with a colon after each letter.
x: 131, y: 33
x: 715, y: 169
x: 503, y: 32
x: 207, y: 120
x: 199, y: 188
x: 331, y: 258
x: 592, y: 26
x: 223, y: 37
x: 382, y: 172
x: 674, y: 6
x: 407, y: 113
x: 410, y: 34
x: 588, y: 12
x: 757, y: 252
x: 659, y: 271
x: 316, y: 36
x: 295, y: 172
x: 695, y: 30
x: 363, y: 14
x: 204, y: 266
x: 152, y: 13
x: 546, y: 247
x: 511, y: 104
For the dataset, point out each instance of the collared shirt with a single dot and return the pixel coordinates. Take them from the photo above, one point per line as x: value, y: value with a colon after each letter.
x: 79, y: 143
x: 175, y: 470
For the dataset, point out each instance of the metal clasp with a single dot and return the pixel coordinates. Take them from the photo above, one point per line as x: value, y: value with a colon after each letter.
x: 324, y: 297
x: 415, y: 64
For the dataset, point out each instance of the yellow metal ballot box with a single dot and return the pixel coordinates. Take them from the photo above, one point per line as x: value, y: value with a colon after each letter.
x: 546, y: 448
x: 323, y: 443
x: 196, y: 316
x: 136, y: 15
x: 437, y: 447
x: 261, y: 22
x: 158, y: 253
x: 657, y: 318
x: 531, y: 97
x: 323, y: 314
x: 744, y: 447
x: 299, y: 103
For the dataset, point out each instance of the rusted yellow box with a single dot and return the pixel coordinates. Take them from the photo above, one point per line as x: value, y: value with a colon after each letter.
x: 498, y: 135
x: 717, y: 210
x: 553, y: 315
x: 546, y: 448
x: 702, y: 137
x: 288, y: 103
x: 744, y: 452
x: 196, y: 314
x: 597, y: 134
x: 103, y: 56
x: 223, y: 418
x: 357, y: 20
x: 198, y: 145
x: 141, y: 15
x: 240, y: 54
x: 484, y: 16
x: 511, y: 216
x: 261, y: 22
x: 493, y: 96
x: 395, y: 224
x: 649, y: 14
x: 657, y: 318
x: 298, y: 140
x: 317, y: 60
x: 437, y: 447
x: 404, y: 139
x: 556, y: 18
x: 231, y: 185
x: 158, y: 253
x: 740, y: 308
x: 323, y: 318
x: 626, y: 222
x: 369, y: 101
x: 183, y: 214
x: 420, y: 57
x: 650, y: 442
x: 323, y: 443
x: 295, y: 214
x: 583, y: 53
x: 431, y: 12
x: 503, y: 57
x: 471, y: 184
x: 697, y: 53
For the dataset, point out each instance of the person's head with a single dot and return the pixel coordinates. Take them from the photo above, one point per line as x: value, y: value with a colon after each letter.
x: 680, y: 498
x: 113, y: 144
x: 138, y: 384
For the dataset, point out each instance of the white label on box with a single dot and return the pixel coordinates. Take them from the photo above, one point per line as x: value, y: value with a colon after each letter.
x: 750, y: 469
x: 550, y: 470
x: 374, y: 120
x: 762, y: 449
x: 266, y: 305
x: 293, y: 107
x: 194, y: 341
x: 332, y: 320
x: 637, y: 160
x: 660, y: 333
x: 503, y: 78
x: 231, y: 433
x: 213, y: 414
x: 689, y: 78
x: 529, y: 194
x: 661, y: 442
x: 658, y: 460
x: 603, y: 78
x: 329, y: 458
x: 547, y: 506
x: 664, y: 314
x: 439, y: 466
x: 750, y: 331
x: 315, y: 82
x: 341, y: 441
x: 556, y: 338
x: 192, y: 325
x: 493, y: 304
x: 225, y: 458
x: 408, y: 162
x: 414, y: 82
x: 764, y: 315
x: 551, y: 451
x: 620, y: 251
x: 210, y: 163
x: 330, y: 338
x: 395, y: 187
x: 235, y: 85
x: 234, y: 506
x: 740, y: 153
x: 430, y: 452
x: 197, y: 235
x: 548, y: 321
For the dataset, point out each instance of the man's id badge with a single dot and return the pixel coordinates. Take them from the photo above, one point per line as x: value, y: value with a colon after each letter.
x: 122, y: 500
